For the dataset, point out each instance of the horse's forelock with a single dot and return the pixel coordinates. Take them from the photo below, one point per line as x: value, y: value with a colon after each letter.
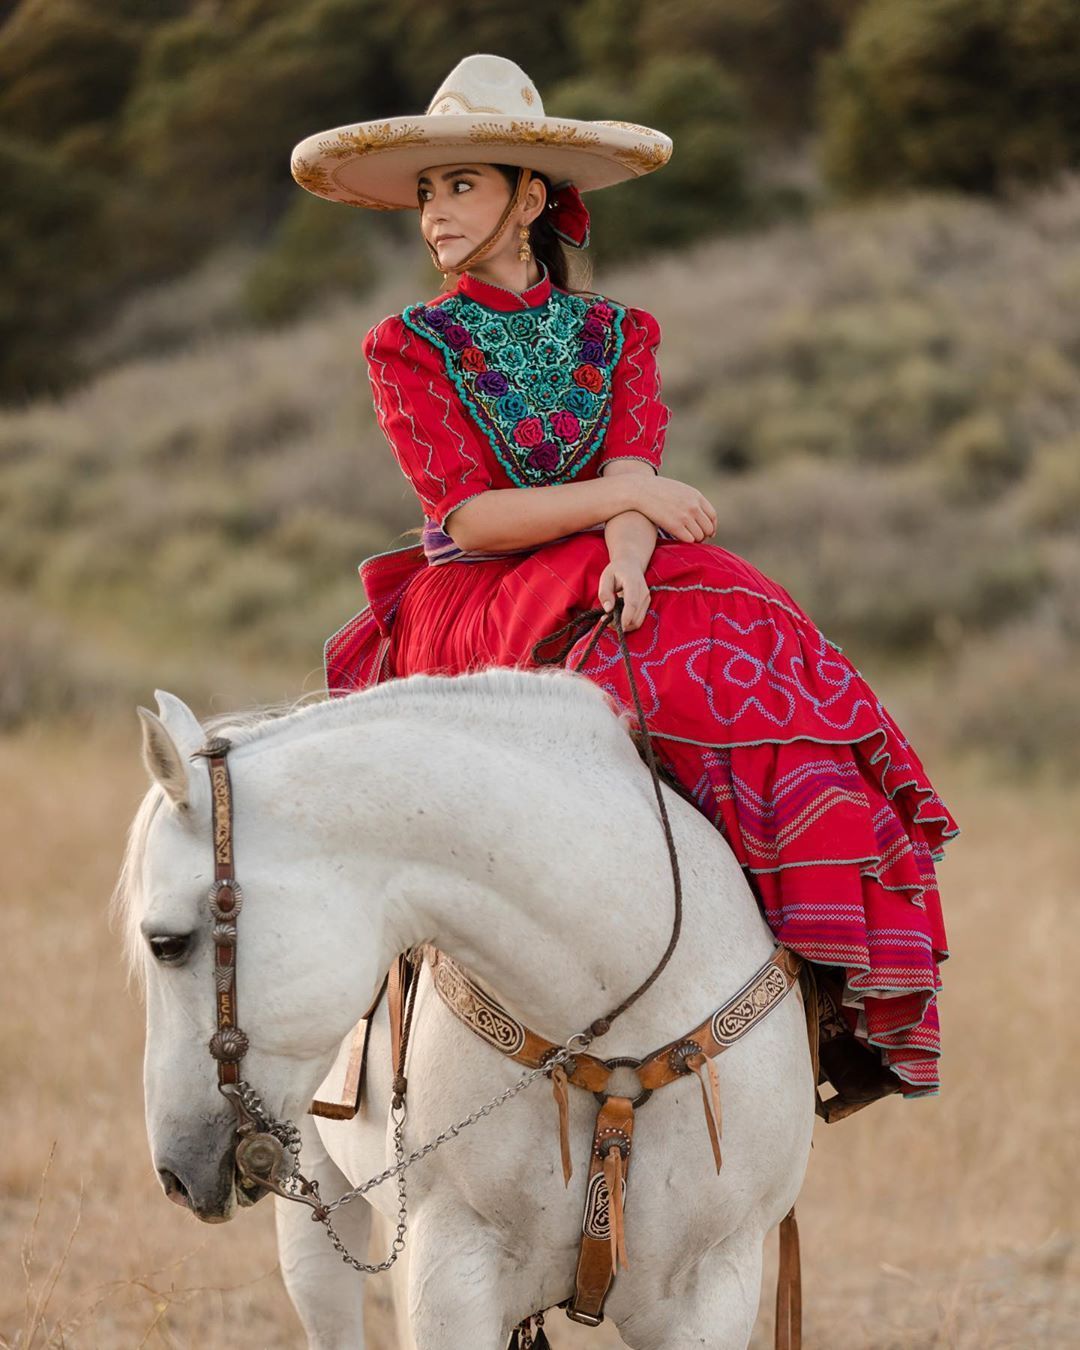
x: 127, y: 901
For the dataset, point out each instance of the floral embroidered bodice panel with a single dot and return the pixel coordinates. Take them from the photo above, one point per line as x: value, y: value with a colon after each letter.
x: 538, y: 381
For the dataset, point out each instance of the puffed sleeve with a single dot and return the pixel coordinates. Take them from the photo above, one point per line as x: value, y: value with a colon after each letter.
x: 638, y: 416
x: 437, y: 448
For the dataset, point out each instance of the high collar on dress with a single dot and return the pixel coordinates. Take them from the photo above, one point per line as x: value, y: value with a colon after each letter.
x: 501, y: 297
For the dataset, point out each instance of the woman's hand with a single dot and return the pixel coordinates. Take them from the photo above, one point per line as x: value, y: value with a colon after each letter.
x: 625, y: 578
x: 676, y: 507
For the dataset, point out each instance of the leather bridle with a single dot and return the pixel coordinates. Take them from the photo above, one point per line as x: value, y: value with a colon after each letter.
x: 263, y: 1142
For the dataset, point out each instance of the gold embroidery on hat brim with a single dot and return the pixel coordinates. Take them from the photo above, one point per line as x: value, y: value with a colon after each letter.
x: 635, y: 127
x: 363, y: 141
x: 313, y: 177
x: 643, y: 158
x: 520, y: 133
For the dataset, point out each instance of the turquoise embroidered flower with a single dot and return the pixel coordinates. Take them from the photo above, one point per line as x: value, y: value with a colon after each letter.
x: 580, y: 401
x: 512, y: 406
x: 549, y: 352
x: 521, y: 326
x: 512, y: 357
x: 489, y: 335
x: 561, y: 324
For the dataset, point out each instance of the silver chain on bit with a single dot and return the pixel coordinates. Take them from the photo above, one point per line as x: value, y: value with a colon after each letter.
x: 452, y: 1131
x: 289, y: 1136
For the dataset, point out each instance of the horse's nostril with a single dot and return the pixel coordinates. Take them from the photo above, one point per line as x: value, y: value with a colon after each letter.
x: 174, y: 1188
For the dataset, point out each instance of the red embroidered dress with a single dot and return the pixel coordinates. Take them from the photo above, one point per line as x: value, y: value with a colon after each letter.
x: 772, y: 730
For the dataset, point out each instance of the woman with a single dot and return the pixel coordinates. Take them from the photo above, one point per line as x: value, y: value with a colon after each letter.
x: 509, y: 380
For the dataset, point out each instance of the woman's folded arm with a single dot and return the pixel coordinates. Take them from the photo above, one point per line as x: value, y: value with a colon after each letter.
x: 630, y: 535
x: 509, y: 518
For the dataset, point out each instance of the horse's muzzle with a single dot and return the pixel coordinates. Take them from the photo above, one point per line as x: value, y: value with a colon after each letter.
x: 210, y: 1194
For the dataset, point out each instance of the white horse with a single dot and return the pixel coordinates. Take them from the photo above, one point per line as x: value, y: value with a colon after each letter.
x: 506, y: 817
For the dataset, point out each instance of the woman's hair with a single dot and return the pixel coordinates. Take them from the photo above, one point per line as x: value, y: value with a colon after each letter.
x: 547, y: 247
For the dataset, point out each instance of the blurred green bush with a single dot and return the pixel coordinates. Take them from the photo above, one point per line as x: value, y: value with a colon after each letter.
x: 53, y: 247
x: 317, y: 249
x: 975, y: 95
x: 703, y: 188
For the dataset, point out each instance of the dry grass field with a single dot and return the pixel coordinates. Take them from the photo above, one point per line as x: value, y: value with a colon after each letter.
x: 944, y: 1222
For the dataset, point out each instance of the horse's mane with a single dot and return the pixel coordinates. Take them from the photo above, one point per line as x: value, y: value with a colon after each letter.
x: 575, y: 705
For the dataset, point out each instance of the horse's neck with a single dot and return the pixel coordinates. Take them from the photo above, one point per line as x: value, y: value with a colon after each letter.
x: 548, y: 879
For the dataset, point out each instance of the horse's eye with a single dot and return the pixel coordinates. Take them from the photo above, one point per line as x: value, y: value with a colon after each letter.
x: 169, y: 948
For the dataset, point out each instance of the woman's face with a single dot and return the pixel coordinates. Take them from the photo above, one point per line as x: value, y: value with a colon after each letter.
x: 460, y: 205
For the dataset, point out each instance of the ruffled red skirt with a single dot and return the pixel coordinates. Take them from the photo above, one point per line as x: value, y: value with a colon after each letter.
x: 765, y: 723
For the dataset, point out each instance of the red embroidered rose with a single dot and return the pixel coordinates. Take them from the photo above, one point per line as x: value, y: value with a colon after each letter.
x: 603, y: 312
x: 472, y: 358
x: 564, y: 424
x: 589, y: 377
x: 593, y: 328
x: 529, y: 432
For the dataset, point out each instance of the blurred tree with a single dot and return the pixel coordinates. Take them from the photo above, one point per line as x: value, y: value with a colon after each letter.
x: 62, y: 65
x: 432, y: 39
x: 319, y: 249
x: 605, y: 38
x: 52, y: 249
x: 772, y: 45
x: 702, y: 188
x: 213, y: 136
x: 963, y: 94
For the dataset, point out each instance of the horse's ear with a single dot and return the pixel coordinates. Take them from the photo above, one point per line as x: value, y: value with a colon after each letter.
x: 184, y: 727
x: 164, y: 762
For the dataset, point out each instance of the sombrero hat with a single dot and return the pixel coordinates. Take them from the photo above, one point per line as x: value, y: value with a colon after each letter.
x: 486, y: 111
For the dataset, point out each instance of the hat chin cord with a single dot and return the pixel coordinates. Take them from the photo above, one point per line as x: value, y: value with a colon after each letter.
x: 482, y: 250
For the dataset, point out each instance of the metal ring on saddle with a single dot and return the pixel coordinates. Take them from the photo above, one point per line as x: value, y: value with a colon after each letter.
x: 624, y: 1062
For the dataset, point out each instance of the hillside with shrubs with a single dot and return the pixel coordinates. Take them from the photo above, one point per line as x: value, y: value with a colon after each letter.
x: 882, y: 403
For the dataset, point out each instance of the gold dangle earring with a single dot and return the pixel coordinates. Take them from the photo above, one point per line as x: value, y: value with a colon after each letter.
x: 524, y: 248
